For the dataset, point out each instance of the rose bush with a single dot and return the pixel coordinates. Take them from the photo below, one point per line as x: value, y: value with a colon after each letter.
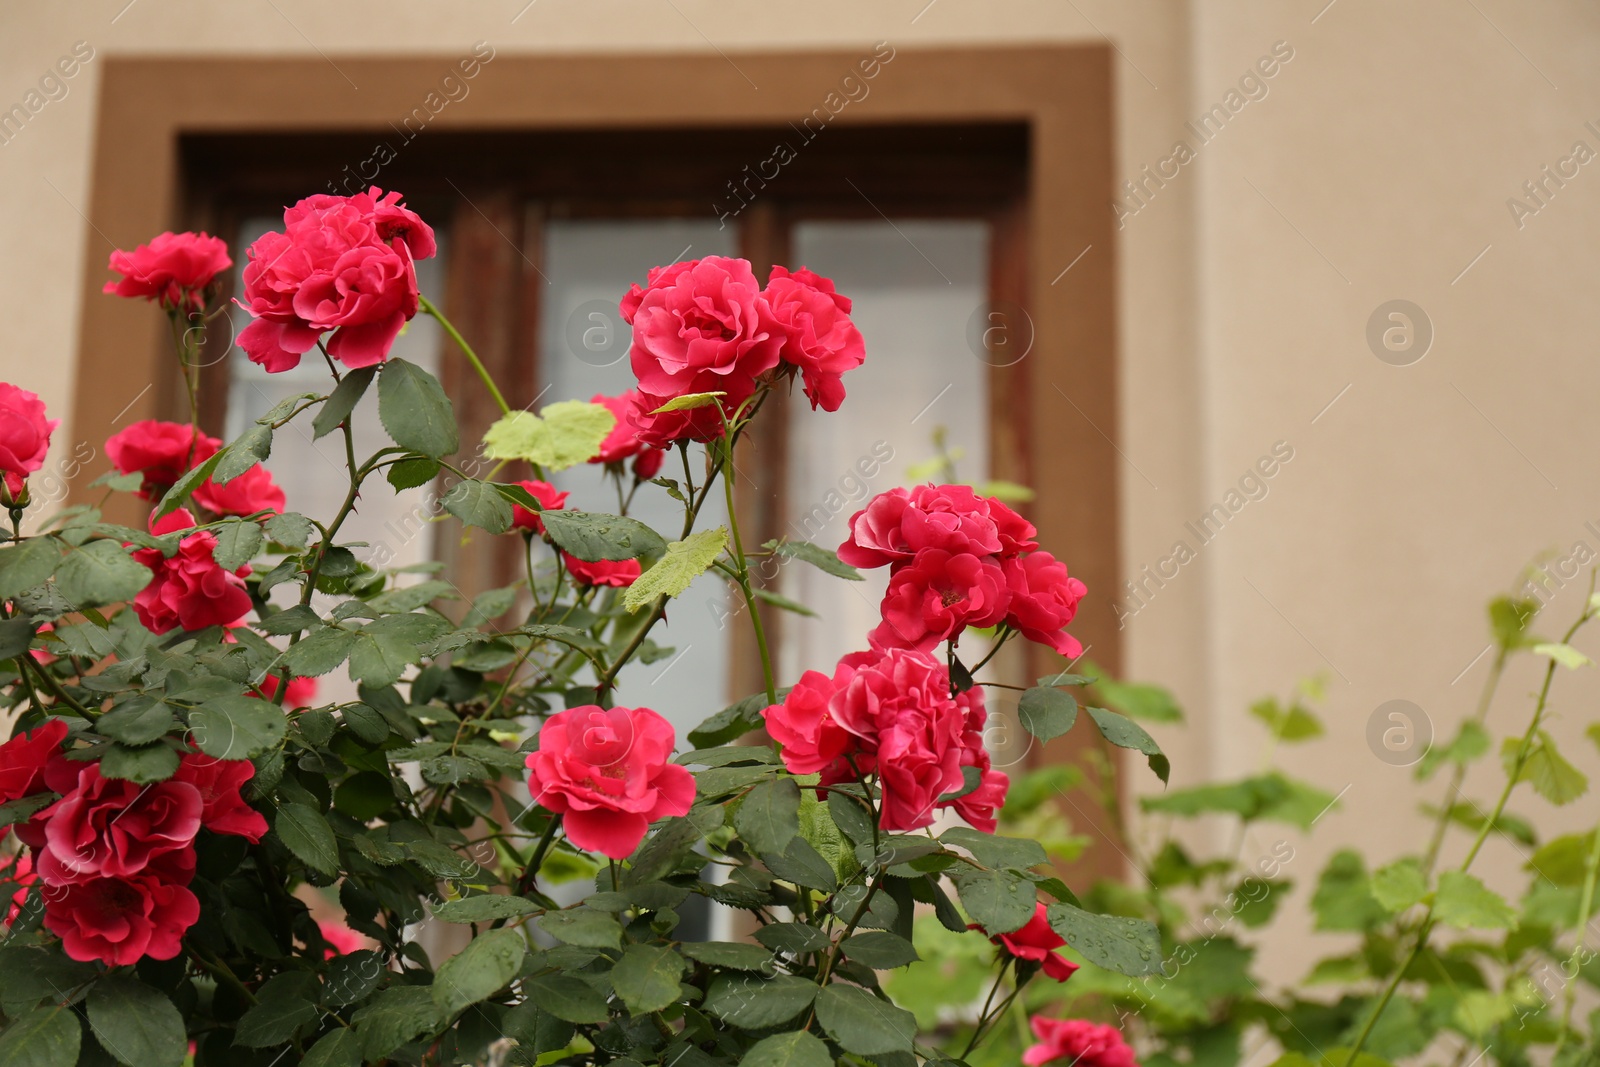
x: 480, y: 856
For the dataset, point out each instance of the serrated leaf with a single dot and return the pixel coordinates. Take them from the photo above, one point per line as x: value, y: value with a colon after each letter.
x: 136, y: 1024
x: 487, y: 965
x: 862, y: 1023
x: 290, y: 529
x: 237, y: 727
x: 319, y: 652
x: 378, y: 660
x: 880, y: 950
x: 27, y: 564
x: 250, y: 448
x: 998, y: 901
x: 412, y: 472
x: 752, y: 1003
x: 342, y: 401
x: 688, y: 402
x: 238, y: 541
x: 573, y: 1002
x: 769, y: 816
x: 289, y: 621
x: 732, y: 722
x: 1552, y: 776
x: 593, y: 537
x: 1463, y: 901
x: 734, y: 955
x: 47, y: 1036
x: 1127, y: 946
x: 395, y: 1016
x: 1125, y: 733
x: 415, y: 411
x: 478, y: 504
x: 582, y: 926
x: 100, y: 573
x: 1566, y: 655
x: 778, y: 600
x: 646, y: 978
x: 185, y: 486
x: 992, y: 850
x: 341, y: 1047
x: 1399, y: 885
x: 794, y: 1049
x: 144, y: 764
x: 823, y: 559
x: 307, y: 834
x: 284, y: 1004
x: 1135, y: 700
x: 560, y: 436
x: 1047, y: 712
x: 683, y: 562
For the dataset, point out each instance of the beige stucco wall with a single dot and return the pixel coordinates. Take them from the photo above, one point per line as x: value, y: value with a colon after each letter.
x: 1376, y: 167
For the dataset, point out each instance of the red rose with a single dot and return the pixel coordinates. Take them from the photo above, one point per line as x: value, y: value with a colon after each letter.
x: 978, y: 807
x: 189, y: 590
x: 1037, y: 943
x: 18, y: 871
x: 550, y: 499
x: 617, y: 573
x: 623, y: 440
x: 820, y: 338
x: 1077, y: 1043
x: 936, y: 595
x: 24, y: 435
x: 1044, y: 598
x: 222, y: 810
x: 341, y: 939
x: 699, y: 327
x: 162, y: 451
x: 342, y: 263
x: 252, y: 492
x: 608, y: 772
x: 25, y: 757
x: 113, y: 828
x: 812, y: 741
x: 658, y: 429
x: 899, y: 523
x: 120, y: 920
x: 302, y: 691
x: 174, y: 268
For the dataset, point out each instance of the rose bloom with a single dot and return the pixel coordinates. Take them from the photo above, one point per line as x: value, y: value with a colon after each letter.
x: 222, y: 809
x: 113, y: 828
x: 17, y: 871
x: 1044, y: 598
x: 550, y: 499
x: 619, y: 573
x: 623, y: 441
x: 162, y: 451
x: 1036, y: 942
x: 936, y: 595
x: 812, y: 740
x: 658, y: 429
x: 341, y: 939
x: 699, y: 327
x: 1077, y: 1043
x: 897, y: 524
x: 24, y: 435
x: 820, y: 339
x: 607, y: 771
x: 250, y: 493
x: 978, y: 807
x: 120, y: 920
x: 25, y: 757
x: 342, y: 263
x: 174, y: 268
x: 189, y: 590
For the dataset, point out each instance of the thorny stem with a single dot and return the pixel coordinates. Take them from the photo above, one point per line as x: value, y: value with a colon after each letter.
x: 1459, y: 773
x: 472, y: 357
x: 983, y: 1015
x: 742, y: 567
x: 1569, y: 994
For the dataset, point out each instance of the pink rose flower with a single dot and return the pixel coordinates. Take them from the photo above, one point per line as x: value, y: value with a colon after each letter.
x: 1044, y: 598
x: 608, y: 772
x: 978, y: 807
x: 820, y: 339
x: 342, y: 263
x: 114, y: 828
x: 659, y: 429
x: 1077, y: 1043
x: 174, y: 268
x: 623, y: 441
x: 120, y: 920
x: 936, y: 595
x: 341, y: 939
x: 17, y: 871
x: 189, y: 590
x: 812, y: 740
x: 616, y: 573
x: 252, y: 492
x: 24, y: 435
x: 901, y: 522
x: 302, y: 691
x: 550, y: 499
x: 699, y: 327
x: 1037, y: 942
x: 161, y: 451
x: 222, y: 810
x: 25, y: 758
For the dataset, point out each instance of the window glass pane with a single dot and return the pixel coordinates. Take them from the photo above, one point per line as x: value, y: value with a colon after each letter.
x: 584, y: 351
x: 915, y: 286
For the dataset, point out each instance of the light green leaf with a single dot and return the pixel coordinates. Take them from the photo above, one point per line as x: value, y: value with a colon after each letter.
x: 100, y: 573
x: 560, y: 436
x: 487, y: 965
x: 646, y: 978
x: 1463, y: 901
x: 1566, y: 655
x: 1294, y: 723
x: 1399, y: 885
x: 1135, y: 700
x: 415, y: 411
x: 136, y: 1024
x: 683, y: 562
x: 307, y: 834
x: 1552, y: 776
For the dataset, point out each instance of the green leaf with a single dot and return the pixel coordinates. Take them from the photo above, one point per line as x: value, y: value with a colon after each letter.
x: 1399, y: 885
x: 824, y: 559
x: 1463, y: 901
x: 285, y: 1004
x: 339, y: 1048
x: 769, y: 816
x: 1269, y: 796
x: 319, y: 652
x: 560, y: 436
x: 646, y: 978
x: 582, y: 926
x: 395, y: 1016
x: 803, y: 865
x: 571, y: 1001
x: 683, y: 562
x: 1047, y: 712
x: 1552, y: 776
x: 752, y: 1003
x: 783, y: 603
x: 1294, y: 723
x: 1127, y: 946
x: 792, y: 937
x: 342, y: 401
x: 998, y: 901
x: 688, y: 402
x: 415, y: 411
x: 731, y: 954
x: 237, y: 727
x: 290, y: 529
x: 186, y: 485
x: 289, y: 621
x: 992, y: 850
x: 307, y: 834
x: 27, y: 564
x: 1148, y: 702
x: 1566, y: 655
x: 251, y: 447
x: 478, y: 504
x: 1509, y: 619
x: 1563, y: 861
x: 146, y: 764
x: 15, y: 637
x: 1343, y: 899
x: 592, y: 536
x: 136, y: 1024
x: 378, y: 660
x: 238, y: 541
x: 412, y: 472
x: 487, y: 965
x: 880, y: 950
x: 100, y: 573
x: 1125, y: 733
x: 794, y: 1049
x: 485, y: 907
x: 48, y: 1036
x: 862, y: 1023
x: 732, y: 722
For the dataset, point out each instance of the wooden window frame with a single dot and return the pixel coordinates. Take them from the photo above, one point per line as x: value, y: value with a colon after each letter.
x: 153, y: 112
